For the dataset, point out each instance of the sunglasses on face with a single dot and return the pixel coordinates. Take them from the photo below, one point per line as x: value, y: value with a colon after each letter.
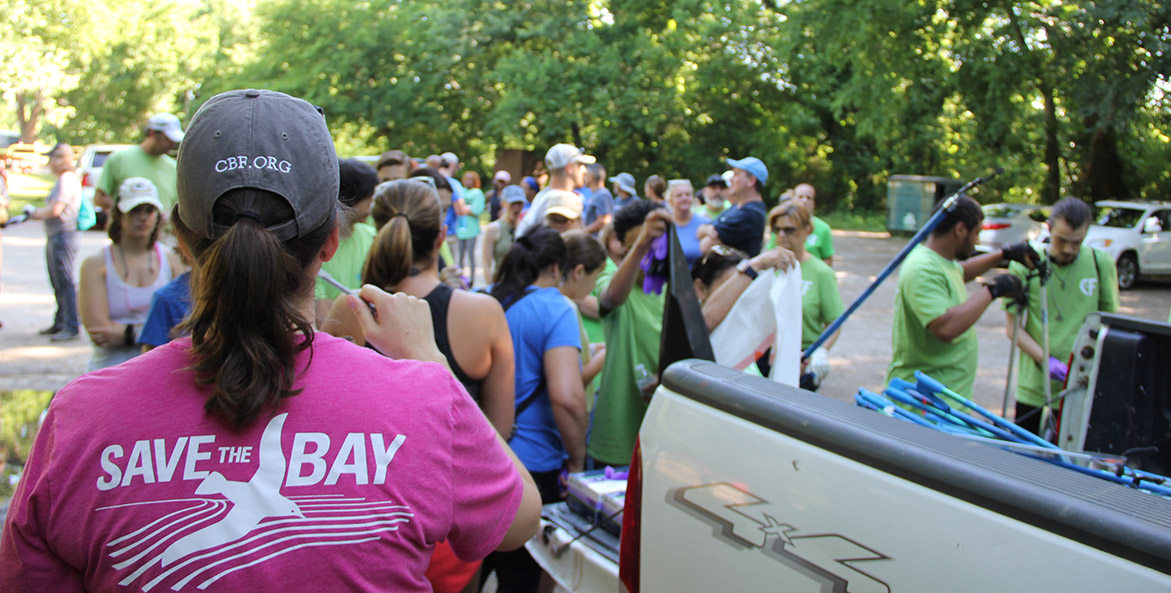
x: 788, y: 230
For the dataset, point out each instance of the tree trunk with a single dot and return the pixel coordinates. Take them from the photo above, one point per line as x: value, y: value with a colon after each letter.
x: 1102, y: 175
x: 1051, y: 192
x: 28, y: 114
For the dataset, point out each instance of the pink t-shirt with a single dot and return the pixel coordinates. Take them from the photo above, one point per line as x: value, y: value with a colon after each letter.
x: 345, y: 487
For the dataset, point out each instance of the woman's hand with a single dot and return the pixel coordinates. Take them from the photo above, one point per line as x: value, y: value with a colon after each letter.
x: 777, y: 258
x: 403, y: 329
x: 108, y: 336
x: 452, y: 276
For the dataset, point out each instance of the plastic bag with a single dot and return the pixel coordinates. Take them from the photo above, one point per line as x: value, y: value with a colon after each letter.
x: 767, y: 315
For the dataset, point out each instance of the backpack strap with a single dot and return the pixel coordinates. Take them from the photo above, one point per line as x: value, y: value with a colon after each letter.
x: 532, y: 396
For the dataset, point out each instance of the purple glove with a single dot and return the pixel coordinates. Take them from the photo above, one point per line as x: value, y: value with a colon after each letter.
x: 1057, y: 369
x: 654, y: 266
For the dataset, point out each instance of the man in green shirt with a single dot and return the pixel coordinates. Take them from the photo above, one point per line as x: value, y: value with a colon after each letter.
x: 821, y: 242
x: 632, y: 321
x: 150, y: 159
x: 933, y: 314
x: 1082, y: 280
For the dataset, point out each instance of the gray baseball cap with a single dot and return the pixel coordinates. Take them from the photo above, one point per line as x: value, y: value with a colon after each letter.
x: 258, y: 139
x: 513, y: 194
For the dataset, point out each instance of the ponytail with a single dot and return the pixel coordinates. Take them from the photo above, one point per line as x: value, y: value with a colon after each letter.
x: 530, y: 255
x: 408, y: 217
x: 246, y: 322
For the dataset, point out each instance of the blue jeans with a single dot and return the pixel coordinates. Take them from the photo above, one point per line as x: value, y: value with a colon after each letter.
x: 60, y: 253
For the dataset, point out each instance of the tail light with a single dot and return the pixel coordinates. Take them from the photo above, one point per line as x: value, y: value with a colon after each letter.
x: 996, y: 226
x: 87, y: 180
x: 629, y: 544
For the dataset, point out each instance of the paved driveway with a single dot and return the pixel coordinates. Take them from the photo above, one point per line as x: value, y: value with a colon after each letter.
x: 30, y: 361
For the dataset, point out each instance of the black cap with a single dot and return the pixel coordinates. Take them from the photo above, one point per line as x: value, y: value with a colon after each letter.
x: 715, y: 180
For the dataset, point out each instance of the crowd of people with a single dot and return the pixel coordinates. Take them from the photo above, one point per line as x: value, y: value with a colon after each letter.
x: 263, y: 294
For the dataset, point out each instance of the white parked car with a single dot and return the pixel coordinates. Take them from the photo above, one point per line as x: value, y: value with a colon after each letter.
x: 89, y: 166
x: 1005, y: 224
x: 1136, y: 234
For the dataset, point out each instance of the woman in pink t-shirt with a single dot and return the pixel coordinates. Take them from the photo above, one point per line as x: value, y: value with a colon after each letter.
x: 257, y: 455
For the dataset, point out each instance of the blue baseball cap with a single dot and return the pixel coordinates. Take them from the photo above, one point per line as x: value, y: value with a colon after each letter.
x: 752, y: 165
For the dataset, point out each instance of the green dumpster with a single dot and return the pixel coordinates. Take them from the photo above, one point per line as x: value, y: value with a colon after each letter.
x: 910, y: 199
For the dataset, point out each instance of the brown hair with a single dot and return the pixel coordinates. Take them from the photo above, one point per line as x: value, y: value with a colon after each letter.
x: 409, y: 219
x: 583, y: 249
x: 798, y: 212
x: 114, y: 226
x: 246, y: 322
x: 656, y: 183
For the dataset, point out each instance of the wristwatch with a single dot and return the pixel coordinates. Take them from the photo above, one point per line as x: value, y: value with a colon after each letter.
x: 745, y: 267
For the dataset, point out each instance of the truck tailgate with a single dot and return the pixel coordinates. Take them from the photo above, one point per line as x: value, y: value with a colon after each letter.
x: 751, y: 484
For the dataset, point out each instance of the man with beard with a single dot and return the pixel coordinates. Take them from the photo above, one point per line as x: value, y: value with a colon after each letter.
x: 933, y: 315
x: 1083, y: 280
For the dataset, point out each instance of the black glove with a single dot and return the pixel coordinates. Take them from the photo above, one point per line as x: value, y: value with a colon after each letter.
x: 1006, y: 285
x: 1022, y: 253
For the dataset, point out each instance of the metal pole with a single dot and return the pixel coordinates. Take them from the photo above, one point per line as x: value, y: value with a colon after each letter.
x: 948, y: 205
x: 1016, y: 326
x: 1047, y: 413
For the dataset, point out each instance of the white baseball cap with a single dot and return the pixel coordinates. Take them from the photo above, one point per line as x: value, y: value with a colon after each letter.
x: 561, y: 155
x: 137, y: 191
x: 167, y: 124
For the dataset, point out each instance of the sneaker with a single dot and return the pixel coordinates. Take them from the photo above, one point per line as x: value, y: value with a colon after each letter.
x: 65, y: 336
x: 48, y: 331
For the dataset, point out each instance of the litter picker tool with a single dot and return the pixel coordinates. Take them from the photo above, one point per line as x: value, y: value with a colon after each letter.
x: 947, y: 206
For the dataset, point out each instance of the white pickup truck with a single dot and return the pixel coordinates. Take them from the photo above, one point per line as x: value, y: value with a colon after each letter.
x: 744, y: 484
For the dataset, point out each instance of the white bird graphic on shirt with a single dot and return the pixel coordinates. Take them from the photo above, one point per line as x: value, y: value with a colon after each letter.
x: 252, y: 501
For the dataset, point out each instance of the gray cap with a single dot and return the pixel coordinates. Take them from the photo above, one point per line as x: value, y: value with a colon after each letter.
x: 625, y: 181
x: 513, y: 194
x: 258, y: 139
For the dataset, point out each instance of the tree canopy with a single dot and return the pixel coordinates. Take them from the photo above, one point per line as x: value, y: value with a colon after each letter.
x: 1069, y: 97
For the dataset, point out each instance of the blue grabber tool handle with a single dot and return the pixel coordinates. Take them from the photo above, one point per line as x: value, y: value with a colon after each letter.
x: 949, y: 204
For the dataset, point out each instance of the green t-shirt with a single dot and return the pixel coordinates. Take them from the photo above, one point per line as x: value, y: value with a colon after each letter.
x: 445, y: 254
x: 632, y: 352
x: 821, y: 303
x: 930, y: 284
x: 135, y: 162
x: 712, y: 213
x: 1074, y: 291
x: 593, y: 327
x: 821, y: 241
x: 347, y: 262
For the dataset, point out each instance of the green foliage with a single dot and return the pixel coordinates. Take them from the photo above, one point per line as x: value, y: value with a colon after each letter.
x: 19, y: 412
x: 1067, y: 96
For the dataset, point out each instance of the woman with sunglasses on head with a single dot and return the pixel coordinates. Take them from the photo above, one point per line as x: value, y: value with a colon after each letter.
x: 118, y: 283
x: 722, y: 276
x: 258, y: 455
x: 821, y: 303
